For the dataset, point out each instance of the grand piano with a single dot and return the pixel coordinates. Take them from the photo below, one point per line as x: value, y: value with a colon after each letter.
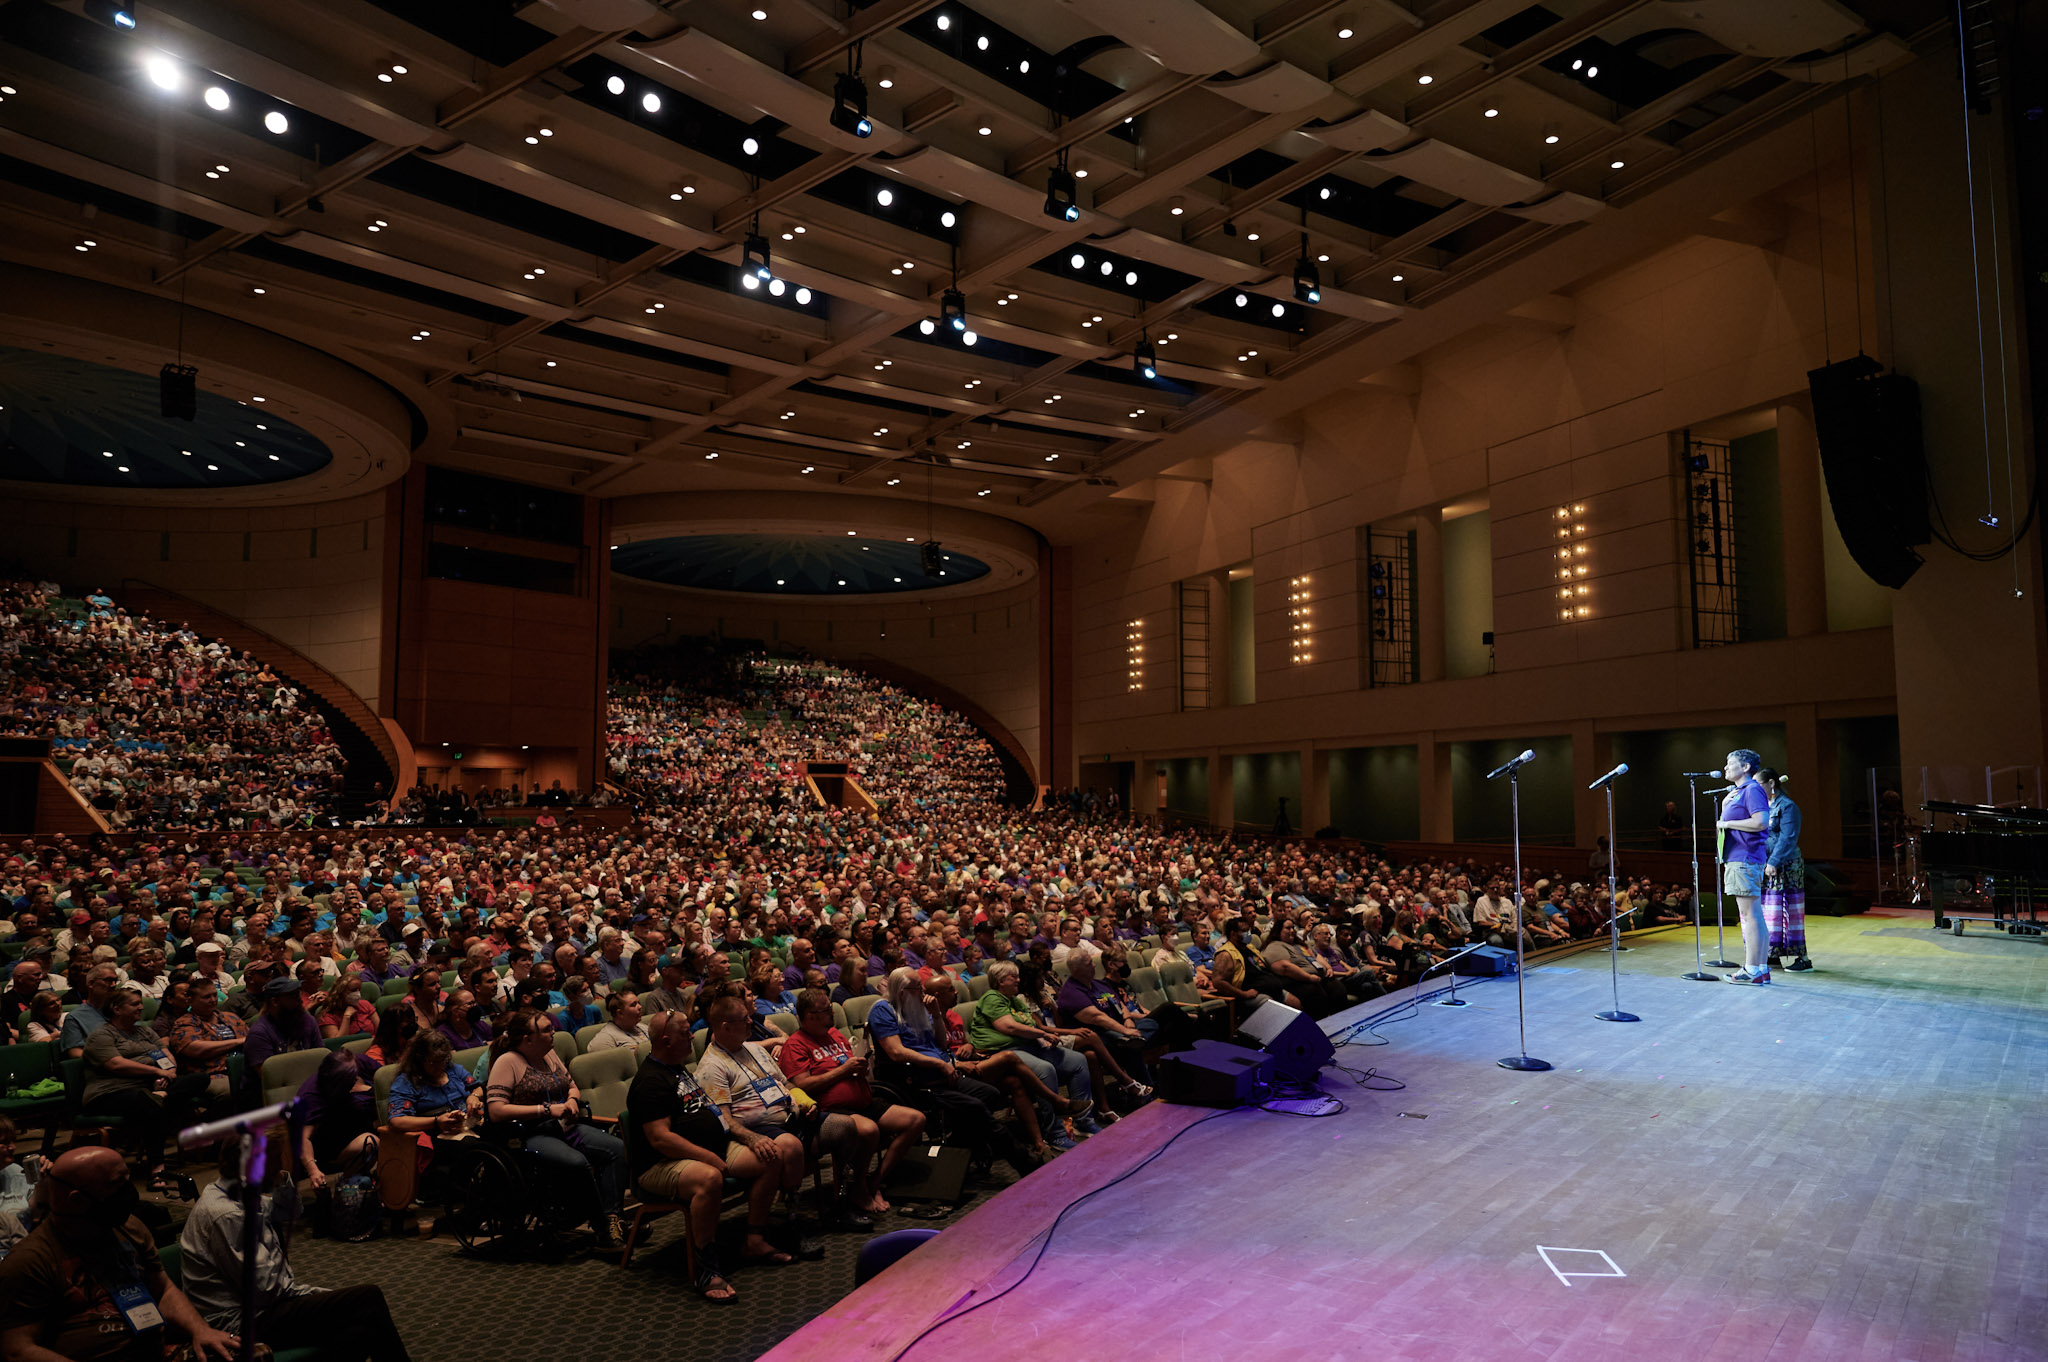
x: 1985, y: 863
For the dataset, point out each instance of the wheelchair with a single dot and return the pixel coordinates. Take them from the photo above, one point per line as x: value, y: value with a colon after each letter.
x: 503, y: 1202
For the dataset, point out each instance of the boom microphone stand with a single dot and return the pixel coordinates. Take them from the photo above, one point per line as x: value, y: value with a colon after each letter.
x: 1615, y: 1014
x: 1720, y: 960
x: 1454, y: 1000
x: 1512, y: 771
x: 253, y: 1128
x: 1699, y: 969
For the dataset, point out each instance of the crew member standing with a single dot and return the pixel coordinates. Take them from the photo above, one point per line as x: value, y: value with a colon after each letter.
x: 1744, y: 811
x: 1784, y: 875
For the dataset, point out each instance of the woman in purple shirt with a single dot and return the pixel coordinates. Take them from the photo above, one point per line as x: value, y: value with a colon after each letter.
x: 1744, y: 811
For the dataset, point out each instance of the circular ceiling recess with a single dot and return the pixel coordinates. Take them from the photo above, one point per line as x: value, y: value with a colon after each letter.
x: 793, y: 564
x: 82, y: 424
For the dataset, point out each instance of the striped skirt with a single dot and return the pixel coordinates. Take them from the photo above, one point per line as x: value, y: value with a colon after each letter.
x: 1784, y: 909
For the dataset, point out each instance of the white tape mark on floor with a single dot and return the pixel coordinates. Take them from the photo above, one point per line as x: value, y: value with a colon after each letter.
x: 1545, y: 1250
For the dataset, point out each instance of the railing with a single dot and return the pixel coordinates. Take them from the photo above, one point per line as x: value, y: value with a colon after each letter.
x: 167, y: 606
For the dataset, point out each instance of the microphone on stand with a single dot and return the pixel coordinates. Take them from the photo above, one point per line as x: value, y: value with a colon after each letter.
x: 1700, y: 775
x: 1620, y: 770
x: 1517, y: 764
x: 1725, y: 789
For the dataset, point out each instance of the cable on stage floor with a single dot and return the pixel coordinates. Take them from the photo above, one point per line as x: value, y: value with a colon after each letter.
x: 1053, y: 1229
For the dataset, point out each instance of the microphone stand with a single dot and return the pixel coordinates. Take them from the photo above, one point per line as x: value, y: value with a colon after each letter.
x: 1720, y: 960
x: 1699, y: 969
x: 1615, y: 947
x: 1454, y: 1000
x: 1521, y: 1061
x: 254, y: 1129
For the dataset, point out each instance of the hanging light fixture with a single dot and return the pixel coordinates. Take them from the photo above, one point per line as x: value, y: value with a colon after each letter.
x: 1060, y: 192
x: 1308, y: 281
x: 1146, y: 360
x: 953, y: 309
x: 850, y: 105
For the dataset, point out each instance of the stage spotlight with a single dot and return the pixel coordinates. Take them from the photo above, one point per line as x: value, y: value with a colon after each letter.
x: 1059, y: 196
x: 1145, y: 358
x: 113, y: 15
x: 953, y: 309
x: 163, y: 72
x: 1308, y: 284
x: 850, y: 105
x: 754, y: 257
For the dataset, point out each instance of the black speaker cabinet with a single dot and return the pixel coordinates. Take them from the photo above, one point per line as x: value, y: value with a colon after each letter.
x: 1868, y: 425
x: 1213, y: 1074
x: 1298, y: 1046
x: 930, y: 1172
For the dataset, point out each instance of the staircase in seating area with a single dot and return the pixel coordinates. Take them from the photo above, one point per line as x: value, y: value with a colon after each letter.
x: 365, y: 743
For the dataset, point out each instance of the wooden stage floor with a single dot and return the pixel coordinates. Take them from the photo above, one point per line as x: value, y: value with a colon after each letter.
x: 1848, y: 1164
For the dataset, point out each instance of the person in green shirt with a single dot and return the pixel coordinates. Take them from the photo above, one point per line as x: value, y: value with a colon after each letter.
x: 1005, y: 1020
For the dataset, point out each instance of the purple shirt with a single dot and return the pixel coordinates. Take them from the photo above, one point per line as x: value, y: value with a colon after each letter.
x: 1747, y: 802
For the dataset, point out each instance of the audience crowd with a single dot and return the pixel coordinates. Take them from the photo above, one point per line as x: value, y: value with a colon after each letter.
x: 790, y: 979
x: 157, y: 726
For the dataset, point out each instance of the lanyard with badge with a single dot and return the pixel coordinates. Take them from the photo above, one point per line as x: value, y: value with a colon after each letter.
x: 767, y: 1086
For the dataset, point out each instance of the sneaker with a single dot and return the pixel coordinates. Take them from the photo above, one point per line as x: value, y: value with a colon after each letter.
x: 1086, y: 1125
x: 1801, y: 963
x: 611, y: 1233
x: 1743, y: 976
x: 1058, y: 1138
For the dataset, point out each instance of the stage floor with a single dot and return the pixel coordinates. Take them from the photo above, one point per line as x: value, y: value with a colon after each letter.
x: 1848, y: 1163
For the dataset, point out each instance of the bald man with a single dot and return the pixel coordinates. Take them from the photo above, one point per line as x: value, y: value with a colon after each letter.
x: 86, y: 1283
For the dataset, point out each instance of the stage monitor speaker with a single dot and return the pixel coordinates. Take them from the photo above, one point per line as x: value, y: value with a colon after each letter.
x: 1298, y: 1046
x: 1867, y: 423
x: 931, y: 1172
x: 1213, y: 1074
x: 1487, y: 962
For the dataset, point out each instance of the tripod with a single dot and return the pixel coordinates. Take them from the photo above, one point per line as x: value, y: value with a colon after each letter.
x: 1699, y: 969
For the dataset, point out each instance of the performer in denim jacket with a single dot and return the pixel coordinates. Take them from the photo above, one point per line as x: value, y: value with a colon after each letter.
x: 1784, y: 903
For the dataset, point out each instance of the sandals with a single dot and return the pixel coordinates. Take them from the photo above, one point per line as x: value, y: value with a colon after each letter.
x: 710, y: 1281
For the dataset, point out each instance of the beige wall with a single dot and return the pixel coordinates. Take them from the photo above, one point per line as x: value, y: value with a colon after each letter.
x: 983, y: 646
x: 308, y: 575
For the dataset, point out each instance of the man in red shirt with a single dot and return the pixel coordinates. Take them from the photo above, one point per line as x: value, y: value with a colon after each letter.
x: 819, y: 1060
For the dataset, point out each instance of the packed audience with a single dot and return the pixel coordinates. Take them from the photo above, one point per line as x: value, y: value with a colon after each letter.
x: 734, y: 738
x: 790, y: 981
x: 155, y: 725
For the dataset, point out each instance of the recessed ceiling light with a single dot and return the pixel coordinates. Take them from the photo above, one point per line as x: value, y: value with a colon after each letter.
x: 277, y: 123
x: 1241, y: 300
x: 275, y: 459
x: 886, y: 77
x: 216, y: 98
x: 123, y: 468
x: 256, y: 290
x: 1324, y: 258
x: 946, y: 219
x: 1399, y: 277
x: 163, y: 72
x: 551, y: 364
x: 984, y: 130
x: 615, y: 84
x: 981, y: 43
x: 712, y: 455
x: 751, y: 146
x: 895, y: 579
x: 1424, y: 80
x: 1578, y: 63
x: 1493, y: 113
x: 779, y: 582
x: 651, y: 102
x: 213, y: 468
x: 760, y: 14
x: 803, y: 297
x: 1279, y: 310
x: 894, y: 481
x: 1550, y: 140
x: 1592, y: 71
x: 810, y: 468
x: 944, y: 21
x: 222, y: 169
x: 1251, y: 236
x: 982, y: 493
x: 1615, y: 165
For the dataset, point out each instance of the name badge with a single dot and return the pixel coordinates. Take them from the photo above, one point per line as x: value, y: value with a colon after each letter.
x: 769, y: 1091
x: 162, y: 1060
x: 136, y: 1305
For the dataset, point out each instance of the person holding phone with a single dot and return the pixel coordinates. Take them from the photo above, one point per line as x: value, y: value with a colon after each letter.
x: 820, y: 1060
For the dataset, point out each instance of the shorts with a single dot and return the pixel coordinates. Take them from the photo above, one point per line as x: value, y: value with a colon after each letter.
x: 664, y: 1180
x: 1742, y: 879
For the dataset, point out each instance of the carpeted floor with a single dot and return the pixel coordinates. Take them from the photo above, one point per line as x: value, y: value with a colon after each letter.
x: 451, y: 1307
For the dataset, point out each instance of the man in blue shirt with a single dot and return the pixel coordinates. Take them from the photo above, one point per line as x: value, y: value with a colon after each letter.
x: 90, y: 1015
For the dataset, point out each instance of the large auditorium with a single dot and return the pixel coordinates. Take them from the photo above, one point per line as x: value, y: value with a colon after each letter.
x: 871, y: 680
